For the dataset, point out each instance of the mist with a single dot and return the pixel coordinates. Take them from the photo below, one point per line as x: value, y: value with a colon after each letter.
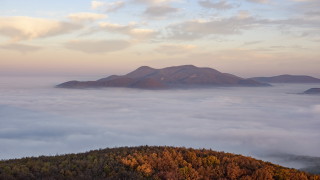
x: 38, y: 119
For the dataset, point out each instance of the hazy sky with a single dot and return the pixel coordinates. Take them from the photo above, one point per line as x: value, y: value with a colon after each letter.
x: 83, y: 37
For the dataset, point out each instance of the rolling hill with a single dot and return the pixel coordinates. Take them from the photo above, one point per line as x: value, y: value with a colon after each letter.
x: 146, y: 162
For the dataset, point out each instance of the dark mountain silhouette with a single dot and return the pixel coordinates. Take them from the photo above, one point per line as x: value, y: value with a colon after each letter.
x: 146, y: 162
x: 287, y: 79
x: 171, y: 77
x: 312, y: 91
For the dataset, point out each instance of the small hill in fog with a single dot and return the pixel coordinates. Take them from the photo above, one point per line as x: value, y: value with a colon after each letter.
x: 287, y: 79
x: 185, y: 76
x: 147, y: 163
x: 312, y: 91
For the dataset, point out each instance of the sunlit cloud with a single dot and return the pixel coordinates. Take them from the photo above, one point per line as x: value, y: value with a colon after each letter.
x: 130, y: 29
x: 19, y: 28
x: 97, y: 4
x: 156, y: 1
x: 107, y: 7
x: 86, y: 17
x: 259, y: 1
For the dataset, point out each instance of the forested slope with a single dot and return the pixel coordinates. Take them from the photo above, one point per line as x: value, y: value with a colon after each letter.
x: 147, y: 162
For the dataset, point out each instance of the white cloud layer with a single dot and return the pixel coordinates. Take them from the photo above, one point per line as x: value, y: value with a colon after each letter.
x: 45, y: 120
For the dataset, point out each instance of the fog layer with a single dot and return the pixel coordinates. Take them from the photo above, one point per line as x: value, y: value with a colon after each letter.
x: 38, y: 119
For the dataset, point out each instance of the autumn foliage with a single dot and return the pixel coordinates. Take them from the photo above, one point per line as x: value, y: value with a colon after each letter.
x: 148, y: 163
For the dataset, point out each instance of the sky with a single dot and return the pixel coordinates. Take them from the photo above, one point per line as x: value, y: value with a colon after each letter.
x: 82, y: 37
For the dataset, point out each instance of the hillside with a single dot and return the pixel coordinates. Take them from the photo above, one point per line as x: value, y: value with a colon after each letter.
x: 147, y: 163
x: 287, y: 79
x: 312, y: 91
x: 171, y: 77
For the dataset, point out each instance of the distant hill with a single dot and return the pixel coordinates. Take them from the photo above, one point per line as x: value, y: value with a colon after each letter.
x: 171, y: 77
x: 309, y: 163
x: 148, y: 163
x: 312, y: 91
x: 287, y: 79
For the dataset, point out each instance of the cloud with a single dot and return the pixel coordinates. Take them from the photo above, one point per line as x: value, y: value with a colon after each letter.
x: 215, y: 5
x: 249, y: 43
x: 200, y: 28
x: 259, y: 1
x: 309, y: 9
x: 155, y: 1
x: 303, y: 0
x: 86, y: 17
x: 107, y: 7
x: 98, y: 46
x: 23, y: 48
x: 231, y: 119
x: 160, y: 11
x: 97, y: 4
x: 19, y: 28
x: 130, y: 30
x: 172, y: 49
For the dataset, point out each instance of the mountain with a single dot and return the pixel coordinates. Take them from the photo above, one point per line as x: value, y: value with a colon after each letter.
x: 171, y: 77
x: 287, y: 79
x: 309, y: 164
x: 147, y: 162
x: 312, y: 91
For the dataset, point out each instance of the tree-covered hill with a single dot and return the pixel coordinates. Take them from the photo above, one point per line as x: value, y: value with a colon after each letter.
x: 147, y: 162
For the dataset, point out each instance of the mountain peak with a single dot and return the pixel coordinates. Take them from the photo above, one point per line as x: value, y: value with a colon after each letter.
x: 145, y: 68
x: 184, y: 76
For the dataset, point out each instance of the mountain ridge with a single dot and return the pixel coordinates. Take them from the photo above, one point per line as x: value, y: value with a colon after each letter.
x: 287, y: 78
x: 184, y: 76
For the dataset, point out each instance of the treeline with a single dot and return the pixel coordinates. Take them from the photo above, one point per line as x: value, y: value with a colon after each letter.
x: 147, y: 162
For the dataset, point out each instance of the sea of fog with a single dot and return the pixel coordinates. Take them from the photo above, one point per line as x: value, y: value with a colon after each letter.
x: 38, y: 119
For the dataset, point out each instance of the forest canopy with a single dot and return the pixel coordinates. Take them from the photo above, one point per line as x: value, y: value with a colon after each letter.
x: 147, y: 162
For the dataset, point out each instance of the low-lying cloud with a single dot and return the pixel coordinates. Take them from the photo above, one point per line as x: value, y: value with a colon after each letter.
x: 38, y: 119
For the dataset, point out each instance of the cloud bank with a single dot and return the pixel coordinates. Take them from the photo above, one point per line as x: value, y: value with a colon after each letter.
x: 37, y: 119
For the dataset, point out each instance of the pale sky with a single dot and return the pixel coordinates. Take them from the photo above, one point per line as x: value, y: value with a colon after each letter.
x: 82, y: 37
